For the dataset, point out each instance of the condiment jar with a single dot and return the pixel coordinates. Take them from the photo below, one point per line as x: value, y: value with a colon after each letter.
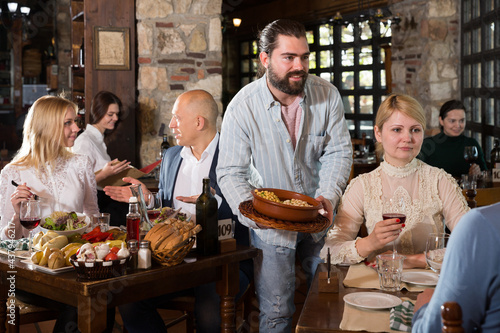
x: 132, y: 247
x: 144, y: 255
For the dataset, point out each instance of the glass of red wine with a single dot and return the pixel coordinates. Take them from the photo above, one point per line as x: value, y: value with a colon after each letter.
x: 154, y: 205
x: 394, y: 208
x: 30, y: 216
x: 471, y: 154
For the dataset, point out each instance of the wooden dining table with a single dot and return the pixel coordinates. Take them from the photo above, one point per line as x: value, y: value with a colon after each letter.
x: 93, y: 297
x: 323, y: 311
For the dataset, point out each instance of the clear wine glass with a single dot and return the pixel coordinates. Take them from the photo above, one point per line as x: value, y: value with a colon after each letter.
x: 471, y: 154
x: 30, y: 216
x: 154, y: 205
x: 435, y: 249
x: 394, y: 208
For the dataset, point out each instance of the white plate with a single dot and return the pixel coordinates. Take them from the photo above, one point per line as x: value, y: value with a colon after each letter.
x: 48, y: 270
x: 374, y: 300
x: 420, y: 278
x: 80, y: 231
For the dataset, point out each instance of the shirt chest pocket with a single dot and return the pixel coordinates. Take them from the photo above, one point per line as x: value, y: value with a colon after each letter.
x: 314, y: 148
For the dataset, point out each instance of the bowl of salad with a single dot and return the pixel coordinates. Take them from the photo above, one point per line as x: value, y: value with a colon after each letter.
x: 65, y: 223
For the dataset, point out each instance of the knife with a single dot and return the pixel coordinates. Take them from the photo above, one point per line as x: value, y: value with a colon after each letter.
x: 36, y: 197
x: 328, y: 262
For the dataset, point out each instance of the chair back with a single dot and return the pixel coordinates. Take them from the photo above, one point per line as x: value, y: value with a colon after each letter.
x: 451, y: 314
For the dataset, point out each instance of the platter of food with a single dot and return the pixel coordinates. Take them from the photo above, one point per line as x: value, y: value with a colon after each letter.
x: 65, y: 223
x: 46, y: 269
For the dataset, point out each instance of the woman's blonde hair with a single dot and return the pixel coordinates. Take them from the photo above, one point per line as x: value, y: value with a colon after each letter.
x: 405, y: 104
x: 43, y: 133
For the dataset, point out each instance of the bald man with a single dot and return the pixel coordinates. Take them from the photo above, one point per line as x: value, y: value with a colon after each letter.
x: 194, y: 119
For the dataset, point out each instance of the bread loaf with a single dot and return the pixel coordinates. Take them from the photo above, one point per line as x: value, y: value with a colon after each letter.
x: 170, y: 233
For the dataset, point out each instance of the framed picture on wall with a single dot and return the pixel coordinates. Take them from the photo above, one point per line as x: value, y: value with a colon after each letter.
x: 112, y: 48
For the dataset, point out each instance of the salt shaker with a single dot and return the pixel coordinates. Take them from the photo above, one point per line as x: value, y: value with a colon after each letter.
x: 144, y: 255
x: 132, y: 247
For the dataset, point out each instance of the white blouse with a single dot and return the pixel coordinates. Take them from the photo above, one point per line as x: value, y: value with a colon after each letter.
x: 91, y: 143
x: 432, y: 198
x: 70, y: 187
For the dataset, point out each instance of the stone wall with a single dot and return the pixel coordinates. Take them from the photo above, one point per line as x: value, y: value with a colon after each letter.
x: 179, y: 49
x: 426, y: 53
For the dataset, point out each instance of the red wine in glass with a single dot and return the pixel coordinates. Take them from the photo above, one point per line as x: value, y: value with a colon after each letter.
x: 401, y: 217
x: 471, y: 154
x: 30, y: 223
x: 153, y: 214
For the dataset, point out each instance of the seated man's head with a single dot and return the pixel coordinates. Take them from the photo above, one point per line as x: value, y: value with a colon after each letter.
x: 194, y: 118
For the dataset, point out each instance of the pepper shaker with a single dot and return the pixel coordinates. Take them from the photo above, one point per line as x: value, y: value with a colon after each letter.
x: 132, y: 247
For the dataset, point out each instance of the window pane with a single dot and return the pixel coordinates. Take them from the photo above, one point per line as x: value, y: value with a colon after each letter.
x: 366, y: 126
x: 365, y: 57
x: 347, y: 34
x: 490, y: 74
x: 326, y: 76
x: 312, y: 60
x: 348, y: 80
x: 385, y: 29
x: 245, y: 66
x: 489, y: 5
x: 490, y: 36
x: 383, y: 79
x: 477, y: 136
x: 490, y: 111
x: 325, y: 59
x: 466, y: 11
x: 244, y: 81
x: 366, y: 79
x: 488, y: 148
x: 310, y: 37
x: 476, y: 41
x: 468, y: 106
x: 348, y: 57
x: 255, y: 47
x: 467, y: 44
x: 325, y: 34
x: 366, y: 104
x: 476, y: 110
x: 366, y: 31
x: 475, y: 8
x: 348, y: 102
x: 476, y: 75
x: 350, y: 125
x: 244, y: 48
x: 467, y: 76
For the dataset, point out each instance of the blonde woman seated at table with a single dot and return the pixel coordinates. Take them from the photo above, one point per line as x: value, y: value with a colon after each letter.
x: 431, y: 196
x: 45, y: 166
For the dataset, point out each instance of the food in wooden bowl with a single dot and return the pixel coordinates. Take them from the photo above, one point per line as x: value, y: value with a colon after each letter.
x: 285, y: 205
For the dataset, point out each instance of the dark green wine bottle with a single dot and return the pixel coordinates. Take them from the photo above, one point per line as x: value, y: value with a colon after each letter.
x: 207, y: 240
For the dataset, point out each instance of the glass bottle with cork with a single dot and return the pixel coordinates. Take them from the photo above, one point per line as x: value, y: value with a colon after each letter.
x: 133, y: 219
x: 207, y: 240
x: 164, y: 145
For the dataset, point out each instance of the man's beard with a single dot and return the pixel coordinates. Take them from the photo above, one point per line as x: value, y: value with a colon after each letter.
x: 284, y: 85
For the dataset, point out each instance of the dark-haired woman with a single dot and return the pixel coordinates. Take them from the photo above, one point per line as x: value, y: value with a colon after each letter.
x: 104, y: 117
x: 446, y: 149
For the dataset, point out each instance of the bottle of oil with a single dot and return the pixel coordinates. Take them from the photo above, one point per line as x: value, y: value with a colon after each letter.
x: 207, y: 240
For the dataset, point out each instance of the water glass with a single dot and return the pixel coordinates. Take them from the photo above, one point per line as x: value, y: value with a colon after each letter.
x: 101, y: 220
x: 435, y: 250
x: 390, y: 270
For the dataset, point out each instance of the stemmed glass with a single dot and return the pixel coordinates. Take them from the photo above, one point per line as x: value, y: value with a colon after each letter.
x: 435, y: 249
x: 30, y: 216
x: 394, y: 208
x: 471, y: 154
x: 154, y: 205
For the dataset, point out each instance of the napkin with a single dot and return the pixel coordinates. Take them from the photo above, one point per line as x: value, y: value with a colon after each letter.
x: 362, y: 276
x: 401, y: 317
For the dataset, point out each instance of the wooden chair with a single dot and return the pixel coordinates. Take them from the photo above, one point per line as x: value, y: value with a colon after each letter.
x: 30, y: 314
x: 451, y: 314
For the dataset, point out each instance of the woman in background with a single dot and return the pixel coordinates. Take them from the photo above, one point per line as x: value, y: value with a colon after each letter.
x: 446, y: 149
x: 104, y: 118
x: 45, y: 166
x: 431, y: 196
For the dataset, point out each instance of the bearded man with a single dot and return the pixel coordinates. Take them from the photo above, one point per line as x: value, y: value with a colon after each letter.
x: 286, y: 130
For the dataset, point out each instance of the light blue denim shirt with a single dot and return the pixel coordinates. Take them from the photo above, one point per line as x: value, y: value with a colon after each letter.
x: 256, y: 150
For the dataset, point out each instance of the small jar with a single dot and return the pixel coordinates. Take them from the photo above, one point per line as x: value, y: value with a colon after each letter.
x: 144, y: 255
x: 132, y: 247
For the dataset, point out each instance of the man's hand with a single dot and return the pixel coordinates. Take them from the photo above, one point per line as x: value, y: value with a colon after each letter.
x: 423, y: 298
x: 123, y: 193
x: 327, y: 208
x: 192, y: 199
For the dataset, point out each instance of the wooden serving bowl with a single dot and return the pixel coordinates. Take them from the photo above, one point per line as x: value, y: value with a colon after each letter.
x: 283, y: 211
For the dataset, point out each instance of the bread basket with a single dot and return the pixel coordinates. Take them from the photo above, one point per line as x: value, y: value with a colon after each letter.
x: 175, y: 255
x: 98, y: 270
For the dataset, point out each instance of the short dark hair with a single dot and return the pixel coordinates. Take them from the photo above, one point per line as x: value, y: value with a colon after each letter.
x: 268, y: 37
x: 450, y: 105
x: 100, y: 105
